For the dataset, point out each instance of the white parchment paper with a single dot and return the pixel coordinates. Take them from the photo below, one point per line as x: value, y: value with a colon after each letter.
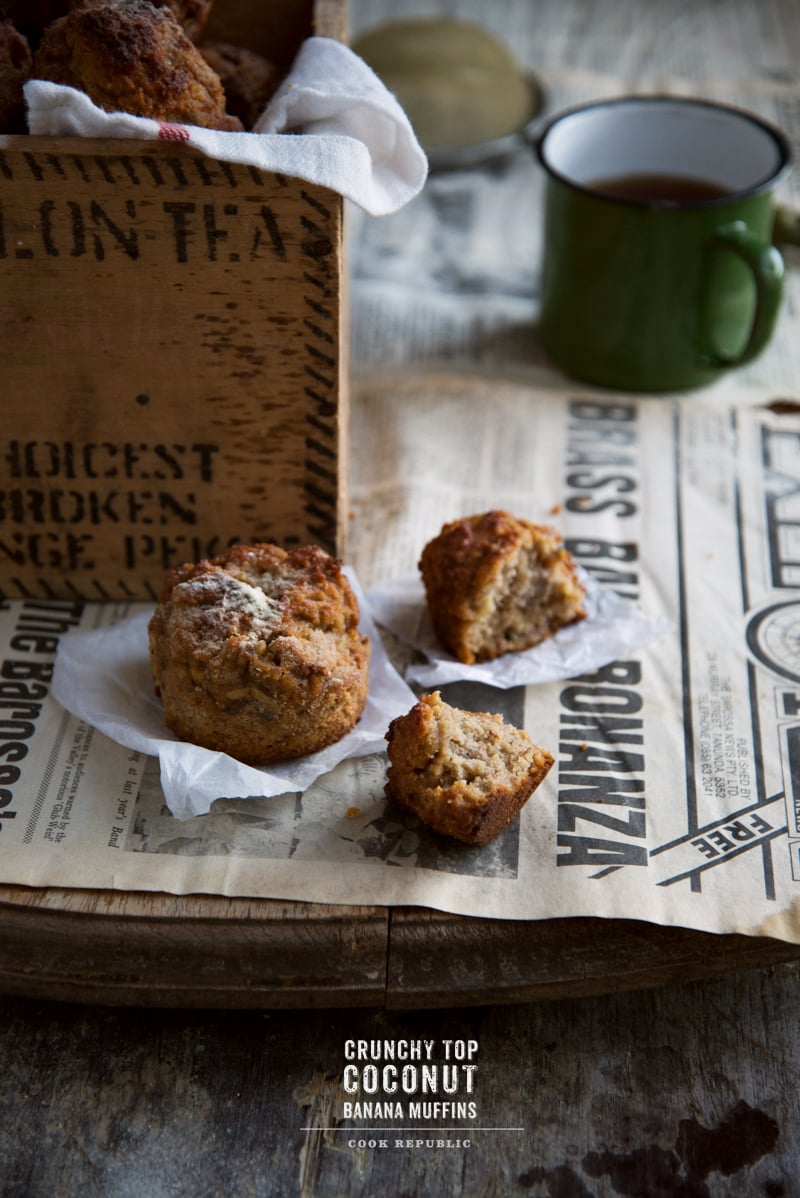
x: 104, y: 678
x: 614, y: 627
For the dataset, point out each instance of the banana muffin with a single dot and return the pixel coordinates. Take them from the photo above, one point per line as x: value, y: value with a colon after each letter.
x: 130, y: 56
x: 465, y: 774
x: 257, y: 653
x: 495, y: 583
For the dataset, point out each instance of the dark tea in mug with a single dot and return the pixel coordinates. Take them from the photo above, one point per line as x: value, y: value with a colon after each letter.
x: 660, y: 189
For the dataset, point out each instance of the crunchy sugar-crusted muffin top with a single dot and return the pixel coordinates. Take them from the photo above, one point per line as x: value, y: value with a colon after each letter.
x: 257, y: 652
x: 261, y: 607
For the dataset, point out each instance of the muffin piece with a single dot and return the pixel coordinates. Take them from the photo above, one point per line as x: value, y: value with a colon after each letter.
x: 495, y: 583
x: 465, y: 774
x: 129, y: 56
x: 15, y: 67
x: 247, y: 78
x: 257, y: 653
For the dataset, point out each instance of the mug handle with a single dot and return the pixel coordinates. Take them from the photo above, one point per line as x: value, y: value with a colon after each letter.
x: 786, y: 230
x: 766, y: 265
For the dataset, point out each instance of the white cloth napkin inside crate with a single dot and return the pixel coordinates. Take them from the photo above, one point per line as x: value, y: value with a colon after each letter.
x: 331, y: 122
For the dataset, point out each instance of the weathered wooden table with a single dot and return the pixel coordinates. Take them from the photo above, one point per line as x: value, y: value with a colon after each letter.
x: 654, y: 1077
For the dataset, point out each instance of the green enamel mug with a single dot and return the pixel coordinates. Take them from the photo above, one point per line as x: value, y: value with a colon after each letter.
x: 658, y: 269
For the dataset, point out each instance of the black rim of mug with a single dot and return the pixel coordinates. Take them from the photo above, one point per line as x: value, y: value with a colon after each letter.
x: 777, y: 135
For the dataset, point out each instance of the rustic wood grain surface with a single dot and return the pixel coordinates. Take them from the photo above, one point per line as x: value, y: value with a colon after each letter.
x: 687, y: 1091
x: 684, y: 1091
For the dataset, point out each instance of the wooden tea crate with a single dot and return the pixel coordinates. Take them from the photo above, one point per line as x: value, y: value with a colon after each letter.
x: 170, y: 329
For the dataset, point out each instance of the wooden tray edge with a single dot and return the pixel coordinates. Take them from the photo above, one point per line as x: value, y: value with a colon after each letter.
x: 155, y: 950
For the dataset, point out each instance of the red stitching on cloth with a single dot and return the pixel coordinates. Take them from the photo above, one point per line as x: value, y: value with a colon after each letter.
x: 173, y: 132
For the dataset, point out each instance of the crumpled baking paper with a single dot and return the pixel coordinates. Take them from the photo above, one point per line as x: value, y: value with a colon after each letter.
x: 332, y: 121
x: 614, y: 627
x: 103, y: 677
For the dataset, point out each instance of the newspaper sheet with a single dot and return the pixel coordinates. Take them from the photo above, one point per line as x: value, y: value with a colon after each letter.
x: 675, y: 796
x: 676, y: 789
